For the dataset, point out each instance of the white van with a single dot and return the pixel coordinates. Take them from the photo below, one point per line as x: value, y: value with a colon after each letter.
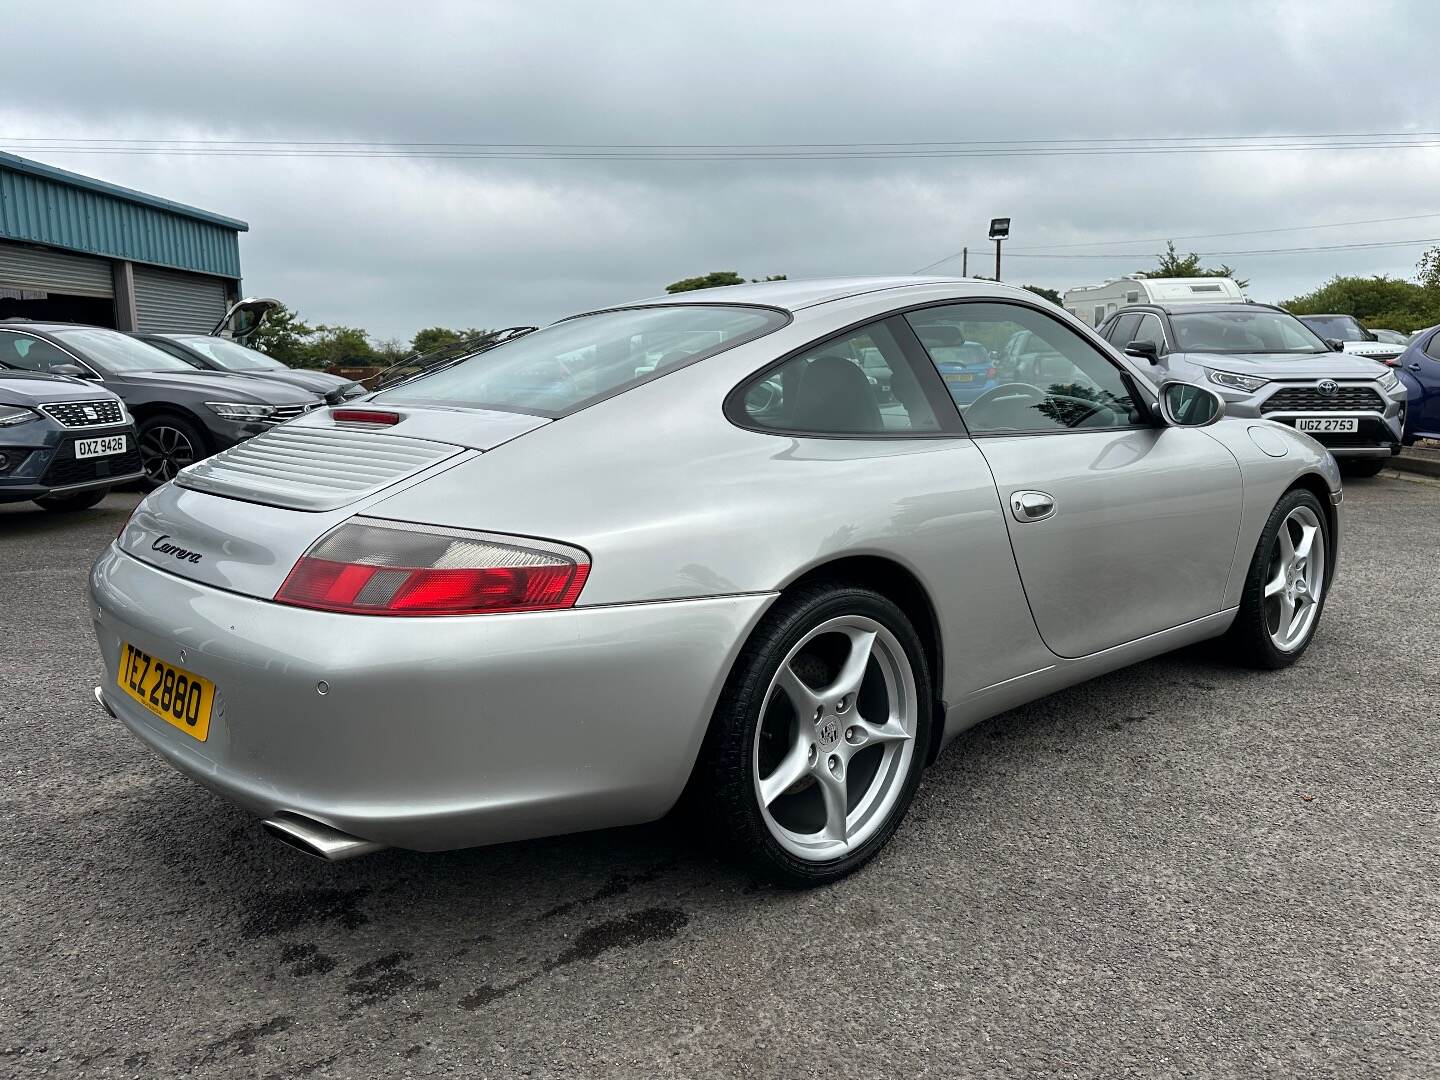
x: 1093, y: 304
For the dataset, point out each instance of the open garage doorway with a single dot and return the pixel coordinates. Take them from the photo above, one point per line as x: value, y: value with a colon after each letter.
x: 42, y: 305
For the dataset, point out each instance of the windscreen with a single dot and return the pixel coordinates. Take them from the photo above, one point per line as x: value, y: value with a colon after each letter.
x: 566, y: 366
x: 1336, y: 327
x: 1243, y: 332
x: 118, y: 352
x: 228, y: 356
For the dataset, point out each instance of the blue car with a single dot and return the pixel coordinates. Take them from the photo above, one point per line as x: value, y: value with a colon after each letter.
x: 1419, y: 369
x: 967, y: 367
x: 63, y: 442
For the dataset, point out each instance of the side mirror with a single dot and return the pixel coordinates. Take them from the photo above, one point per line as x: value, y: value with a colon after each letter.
x: 1144, y: 350
x: 75, y: 371
x: 1335, y: 346
x: 1188, y: 405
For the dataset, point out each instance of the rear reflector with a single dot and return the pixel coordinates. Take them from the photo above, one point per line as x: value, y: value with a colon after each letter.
x: 368, y: 566
x: 364, y: 416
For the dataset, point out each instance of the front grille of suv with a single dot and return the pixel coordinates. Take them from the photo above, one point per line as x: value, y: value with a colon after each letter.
x: 1309, y: 399
x: 85, y: 413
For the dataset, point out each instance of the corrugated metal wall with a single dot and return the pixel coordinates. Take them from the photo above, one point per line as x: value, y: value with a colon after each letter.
x: 45, y: 211
x: 175, y: 303
x: 55, y: 271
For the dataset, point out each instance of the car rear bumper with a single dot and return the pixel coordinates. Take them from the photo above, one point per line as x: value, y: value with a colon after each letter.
x: 429, y: 733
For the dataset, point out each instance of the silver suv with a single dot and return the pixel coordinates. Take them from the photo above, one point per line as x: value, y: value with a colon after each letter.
x: 1267, y: 363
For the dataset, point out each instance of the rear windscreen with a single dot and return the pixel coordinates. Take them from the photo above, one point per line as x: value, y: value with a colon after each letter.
x: 567, y: 366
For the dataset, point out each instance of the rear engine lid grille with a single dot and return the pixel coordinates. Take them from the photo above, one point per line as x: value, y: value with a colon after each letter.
x: 313, y: 468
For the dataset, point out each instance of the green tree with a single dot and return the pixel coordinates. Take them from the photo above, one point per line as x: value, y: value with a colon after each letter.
x: 1171, y: 263
x: 282, y: 336
x: 714, y: 280
x: 1380, y: 301
x: 334, y: 346
x: 1048, y: 294
x: 1427, y: 270
x: 433, y: 337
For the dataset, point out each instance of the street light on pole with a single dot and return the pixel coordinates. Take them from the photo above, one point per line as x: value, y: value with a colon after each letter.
x: 999, y: 230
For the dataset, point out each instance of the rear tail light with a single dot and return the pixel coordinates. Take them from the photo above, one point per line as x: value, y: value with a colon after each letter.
x: 989, y: 373
x: 364, y: 416
x: 372, y: 567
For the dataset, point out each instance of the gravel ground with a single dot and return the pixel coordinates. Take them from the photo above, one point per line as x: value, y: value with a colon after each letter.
x: 1176, y: 870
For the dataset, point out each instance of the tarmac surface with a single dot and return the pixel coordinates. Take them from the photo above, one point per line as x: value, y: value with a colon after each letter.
x: 1180, y: 869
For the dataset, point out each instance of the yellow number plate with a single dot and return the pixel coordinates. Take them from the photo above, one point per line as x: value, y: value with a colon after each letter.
x: 173, y: 694
x: 963, y: 376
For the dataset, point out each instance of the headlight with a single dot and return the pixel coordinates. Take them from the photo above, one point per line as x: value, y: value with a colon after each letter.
x: 234, y: 410
x: 1389, y: 381
x: 10, y: 415
x: 1232, y: 381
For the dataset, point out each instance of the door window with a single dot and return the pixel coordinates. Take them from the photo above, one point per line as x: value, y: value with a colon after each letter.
x: 1149, y: 330
x: 1061, y: 383
x: 31, y: 353
x: 1122, y: 330
x: 857, y: 384
x: 1432, y: 347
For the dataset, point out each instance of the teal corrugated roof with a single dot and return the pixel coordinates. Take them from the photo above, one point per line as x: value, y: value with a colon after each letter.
x: 44, y: 205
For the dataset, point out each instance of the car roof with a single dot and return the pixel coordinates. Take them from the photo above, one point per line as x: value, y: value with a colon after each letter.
x: 795, y: 295
x: 1204, y: 309
x: 1324, y: 315
x: 51, y: 327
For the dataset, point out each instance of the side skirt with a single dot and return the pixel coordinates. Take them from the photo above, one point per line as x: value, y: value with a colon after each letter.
x: 992, y: 700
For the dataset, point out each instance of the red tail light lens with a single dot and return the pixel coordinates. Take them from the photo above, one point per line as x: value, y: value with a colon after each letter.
x: 364, y: 416
x: 372, y: 567
x: 989, y: 373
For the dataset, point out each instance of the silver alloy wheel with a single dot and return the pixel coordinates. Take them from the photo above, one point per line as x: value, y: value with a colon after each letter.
x: 836, y: 739
x: 1295, y: 579
x: 164, y: 451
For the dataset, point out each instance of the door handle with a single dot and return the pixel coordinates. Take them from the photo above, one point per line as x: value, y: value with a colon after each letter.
x: 1031, y: 505
x: 1413, y: 367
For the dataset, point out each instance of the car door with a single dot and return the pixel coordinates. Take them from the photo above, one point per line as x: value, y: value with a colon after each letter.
x: 1120, y: 527
x: 1423, y: 366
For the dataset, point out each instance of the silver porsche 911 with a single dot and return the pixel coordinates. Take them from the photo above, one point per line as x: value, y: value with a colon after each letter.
x: 768, y: 547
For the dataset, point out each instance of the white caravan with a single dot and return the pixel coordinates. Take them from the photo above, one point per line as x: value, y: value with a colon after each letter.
x: 1093, y: 304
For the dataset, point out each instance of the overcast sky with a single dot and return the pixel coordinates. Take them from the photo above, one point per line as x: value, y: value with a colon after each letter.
x: 396, y: 244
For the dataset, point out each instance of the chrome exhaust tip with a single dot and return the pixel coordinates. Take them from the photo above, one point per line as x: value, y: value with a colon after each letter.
x: 317, y: 839
x: 105, y: 705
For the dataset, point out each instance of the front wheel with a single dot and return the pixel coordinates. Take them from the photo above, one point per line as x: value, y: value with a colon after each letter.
x: 1285, y: 587
x: 818, y: 741
x: 167, y: 445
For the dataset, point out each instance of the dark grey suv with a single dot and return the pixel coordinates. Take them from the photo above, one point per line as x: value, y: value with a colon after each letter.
x: 182, y: 414
x: 63, y: 444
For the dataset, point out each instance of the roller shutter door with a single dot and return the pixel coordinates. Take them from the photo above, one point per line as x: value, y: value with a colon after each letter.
x: 169, y: 302
x: 54, y: 271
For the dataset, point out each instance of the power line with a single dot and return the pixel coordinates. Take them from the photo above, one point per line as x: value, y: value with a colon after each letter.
x: 1116, y: 256
x: 796, y: 152
x: 1066, y: 142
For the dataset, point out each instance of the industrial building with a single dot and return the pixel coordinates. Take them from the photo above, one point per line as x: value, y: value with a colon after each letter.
x: 77, y: 249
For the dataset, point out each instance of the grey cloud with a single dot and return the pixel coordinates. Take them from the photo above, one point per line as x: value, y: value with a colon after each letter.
x: 394, y: 245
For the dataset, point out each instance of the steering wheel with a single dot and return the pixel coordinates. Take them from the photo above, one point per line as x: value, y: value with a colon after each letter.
x: 1010, y: 402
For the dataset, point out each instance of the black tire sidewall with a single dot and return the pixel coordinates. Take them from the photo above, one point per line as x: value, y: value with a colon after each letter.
x: 1250, y: 636
x: 730, y: 801
x: 179, y: 423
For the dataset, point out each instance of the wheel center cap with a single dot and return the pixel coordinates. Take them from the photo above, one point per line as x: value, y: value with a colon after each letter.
x: 827, y: 732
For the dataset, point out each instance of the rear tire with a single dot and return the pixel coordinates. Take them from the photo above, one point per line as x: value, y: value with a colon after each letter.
x: 818, y: 741
x: 64, y: 504
x: 1285, y: 587
x: 1361, y: 467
